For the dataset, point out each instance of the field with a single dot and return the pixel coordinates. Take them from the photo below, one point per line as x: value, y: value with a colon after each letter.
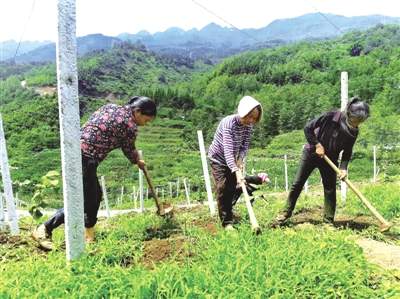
x: 191, y: 256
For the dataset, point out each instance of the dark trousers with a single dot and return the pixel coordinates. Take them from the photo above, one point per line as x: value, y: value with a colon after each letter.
x: 92, y: 195
x: 310, y: 161
x: 225, y: 184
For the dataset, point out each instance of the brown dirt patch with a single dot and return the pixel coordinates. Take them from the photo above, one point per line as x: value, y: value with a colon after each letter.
x: 12, y: 241
x: 209, y: 226
x: 314, y: 216
x: 156, y: 251
x: 385, y: 255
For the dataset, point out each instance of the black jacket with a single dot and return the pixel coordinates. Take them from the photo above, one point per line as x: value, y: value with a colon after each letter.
x: 330, y: 129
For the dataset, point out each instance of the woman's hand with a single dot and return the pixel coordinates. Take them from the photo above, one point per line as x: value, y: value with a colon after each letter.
x: 343, y: 174
x: 141, y: 164
x: 320, y: 150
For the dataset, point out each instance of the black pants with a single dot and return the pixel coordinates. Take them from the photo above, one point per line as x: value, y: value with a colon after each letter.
x: 225, y: 184
x: 310, y: 161
x: 92, y: 195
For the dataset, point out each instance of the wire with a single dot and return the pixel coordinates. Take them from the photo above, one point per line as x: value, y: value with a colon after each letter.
x: 225, y: 21
x: 24, y: 30
x: 326, y: 18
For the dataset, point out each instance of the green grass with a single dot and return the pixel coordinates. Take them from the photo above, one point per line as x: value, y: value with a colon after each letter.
x: 292, y: 262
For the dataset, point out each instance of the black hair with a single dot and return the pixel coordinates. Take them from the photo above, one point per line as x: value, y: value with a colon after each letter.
x: 357, y: 108
x: 144, y: 104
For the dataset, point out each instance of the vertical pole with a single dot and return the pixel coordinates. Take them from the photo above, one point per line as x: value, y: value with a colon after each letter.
x: 7, y: 185
x: 344, y: 92
x: 103, y: 186
x: 141, y: 187
x: 68, y: 103
x: 286, y: 175
x: 122, y: 195
x: 186, y: 191
x: 374, y: 164
x: 162, y: 193
x: 2, y: 217
x: 205, y: 172
x: 170, y: 189
x: 177, y: 187
x: 306, y: 183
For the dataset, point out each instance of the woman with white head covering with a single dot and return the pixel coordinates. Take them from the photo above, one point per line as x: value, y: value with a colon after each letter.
x: 227, y: 151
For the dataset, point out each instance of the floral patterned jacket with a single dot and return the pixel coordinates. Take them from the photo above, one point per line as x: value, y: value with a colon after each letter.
x: 110, y: 127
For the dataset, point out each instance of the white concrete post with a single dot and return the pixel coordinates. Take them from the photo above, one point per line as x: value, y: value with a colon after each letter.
x: 375, y: 173
x: 105, y: 196
x: 205, y: 172
x: 344, y: 92
x: 2, y: 216
x: 68, y: 103
x: 286, y: 175
x: 141, y: 186
x: 7, y: 185
x: 306, y: 183
x: 186, y: 191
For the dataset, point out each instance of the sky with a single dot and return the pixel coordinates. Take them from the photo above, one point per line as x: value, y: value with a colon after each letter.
x: 111, y: 17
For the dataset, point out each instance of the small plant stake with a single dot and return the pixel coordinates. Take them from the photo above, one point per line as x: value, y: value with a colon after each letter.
x: 103, y: 187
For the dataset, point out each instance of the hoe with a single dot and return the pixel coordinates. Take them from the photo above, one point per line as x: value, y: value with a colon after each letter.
x: 385, y: 225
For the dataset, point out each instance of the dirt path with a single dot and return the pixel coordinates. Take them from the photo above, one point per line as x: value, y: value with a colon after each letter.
x: 385, y: 255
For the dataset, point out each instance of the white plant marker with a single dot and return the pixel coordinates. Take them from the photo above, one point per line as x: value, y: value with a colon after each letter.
x: 344, y: 92
x: 306, y: 183
x: 105, y: 196
x: 170, y: 189
x: 141, y: 187
x: 286, y: 175
x: 177, y: 187
x: 122, y: 195
x: 2, y: 216
x: 68, y: 103
x: 7, y: 184
x: 205, y: 172
x: 186, y: 191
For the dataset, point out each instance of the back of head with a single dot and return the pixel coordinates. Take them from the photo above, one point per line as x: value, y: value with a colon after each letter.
x: 143, y: 104
x: 357, y: 108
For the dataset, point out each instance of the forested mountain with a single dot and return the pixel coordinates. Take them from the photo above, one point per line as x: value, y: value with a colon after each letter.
x: 294, y: 83
x: 214, y: 42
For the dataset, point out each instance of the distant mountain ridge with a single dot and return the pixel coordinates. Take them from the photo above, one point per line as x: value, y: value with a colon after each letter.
x: 214, y: 41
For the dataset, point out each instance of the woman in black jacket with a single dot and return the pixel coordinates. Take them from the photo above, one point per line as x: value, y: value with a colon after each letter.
x: 328, y: 135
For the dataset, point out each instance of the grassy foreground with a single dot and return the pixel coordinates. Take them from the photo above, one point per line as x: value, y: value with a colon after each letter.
x: 143, y: 256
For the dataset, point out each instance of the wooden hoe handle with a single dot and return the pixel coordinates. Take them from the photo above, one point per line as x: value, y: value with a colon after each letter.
x: 365, y: 201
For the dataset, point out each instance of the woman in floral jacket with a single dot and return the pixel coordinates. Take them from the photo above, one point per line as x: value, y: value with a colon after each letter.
x: 110, y: 127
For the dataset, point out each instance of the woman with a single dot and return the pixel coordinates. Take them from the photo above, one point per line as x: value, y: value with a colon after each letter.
x: 110, y: 127
x: 327, y: 135
x: 227, y: 151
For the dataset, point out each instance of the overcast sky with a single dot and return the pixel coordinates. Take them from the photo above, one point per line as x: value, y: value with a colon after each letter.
x: 111, y: 17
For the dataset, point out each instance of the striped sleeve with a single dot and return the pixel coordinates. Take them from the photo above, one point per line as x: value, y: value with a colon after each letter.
x: 228, y: 146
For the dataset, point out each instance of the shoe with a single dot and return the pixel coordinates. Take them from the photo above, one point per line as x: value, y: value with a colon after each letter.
x: 229, y: 227
x: 41, y: 235
x: 281, y: 219
x: 89, y: 235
